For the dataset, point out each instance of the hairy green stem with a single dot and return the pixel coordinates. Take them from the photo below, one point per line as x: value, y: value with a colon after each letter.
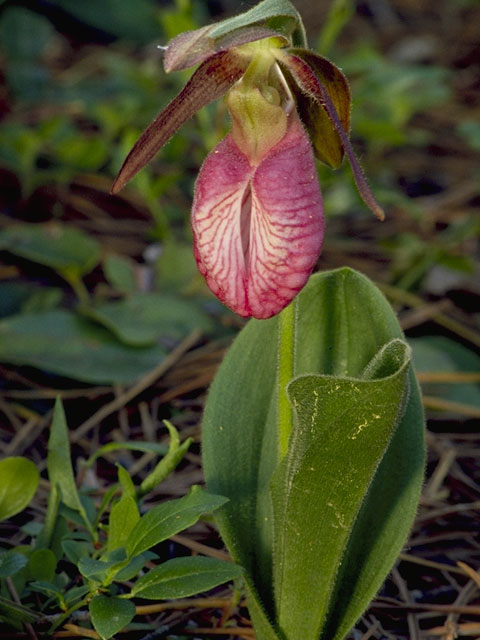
x: 286, y: 371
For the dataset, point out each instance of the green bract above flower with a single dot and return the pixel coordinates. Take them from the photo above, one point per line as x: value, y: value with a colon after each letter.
x: 257, y: 216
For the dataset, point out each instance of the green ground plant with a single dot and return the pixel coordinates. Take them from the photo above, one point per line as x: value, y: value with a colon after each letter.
x: 106, y: 543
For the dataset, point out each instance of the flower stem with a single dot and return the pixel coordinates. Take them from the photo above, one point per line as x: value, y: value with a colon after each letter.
x: 286, y: 371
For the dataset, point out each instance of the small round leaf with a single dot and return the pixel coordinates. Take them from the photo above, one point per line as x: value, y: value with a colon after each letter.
x: 19, y: 482
x: 110, y: 615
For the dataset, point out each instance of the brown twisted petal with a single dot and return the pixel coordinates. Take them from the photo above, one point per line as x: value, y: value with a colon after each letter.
x: 310, y: 84
x: 211, y: 81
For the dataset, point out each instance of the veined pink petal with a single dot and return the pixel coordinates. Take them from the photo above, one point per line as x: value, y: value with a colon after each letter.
x: 258, y: 230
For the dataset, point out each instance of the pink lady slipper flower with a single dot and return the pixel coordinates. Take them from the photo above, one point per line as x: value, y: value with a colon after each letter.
x: 257, y: 216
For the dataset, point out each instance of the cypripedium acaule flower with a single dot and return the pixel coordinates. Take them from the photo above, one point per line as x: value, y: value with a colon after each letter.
x: 257, y: 215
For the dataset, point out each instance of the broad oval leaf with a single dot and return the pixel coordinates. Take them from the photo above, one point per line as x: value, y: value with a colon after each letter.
x: 169, y: 518
x: 41, y: 565
x: 110, y: 615
x: 63, y: 343
x: 61, y: 247
x: 19, y: 482
x: 344, y: 322
x: 183, y: 577
x: 144, y: 318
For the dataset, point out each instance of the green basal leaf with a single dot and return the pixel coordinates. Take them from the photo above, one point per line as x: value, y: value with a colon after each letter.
x: 351, y: 365
x: 169, y: 518
x: 59, y: 464
x: 19, y: 482
x: 110, y: 615
x: 342, y: 429
x: 11, y: 562
x: 123, y: 517
x: 183, y: 577
x: 60, y: 247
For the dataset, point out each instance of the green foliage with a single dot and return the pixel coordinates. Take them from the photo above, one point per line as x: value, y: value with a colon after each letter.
x: 100, y: 554
x: 64, y: 343
x: 389, y: 94
x: 110, y: 615
x: 60, y: 471
x: 135, y: 22
x: 69, y: 251
x: 11, y: 562
x: 182, y: 577
x: 442, y: 355
x: 317, y: 530
x: 64, y: 122
x: 470, y: 130
x: 168, y: 463
x: 169, y: 518
x: 141, y: 319
x: 120, y: 273
x: 413, y: 257
x: 103, y: 341
x: 19, y: 482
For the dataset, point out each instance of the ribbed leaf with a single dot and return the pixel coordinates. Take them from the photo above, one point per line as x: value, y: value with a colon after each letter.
x: 344, y: 322
x: 342, y: 429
